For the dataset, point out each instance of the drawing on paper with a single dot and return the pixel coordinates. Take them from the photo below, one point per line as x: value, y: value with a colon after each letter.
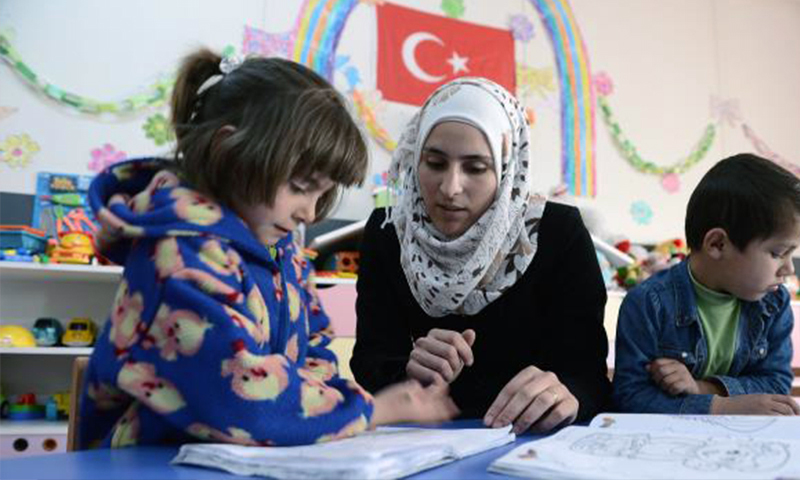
x: 738, y: 423
x: 736, y: 454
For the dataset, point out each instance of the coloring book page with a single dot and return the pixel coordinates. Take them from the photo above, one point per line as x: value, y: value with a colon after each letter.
x: 759, y: 426
x: 595, y: 453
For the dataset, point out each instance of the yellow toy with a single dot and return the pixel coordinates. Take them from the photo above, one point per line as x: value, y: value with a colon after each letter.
x: 73, y: 247
x: 16, y: 336
x: 81, y: 332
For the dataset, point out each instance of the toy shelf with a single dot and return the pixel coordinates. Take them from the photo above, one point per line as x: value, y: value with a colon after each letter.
x: 33, y: 427
x: 59, y: 272
x: 76, y: 351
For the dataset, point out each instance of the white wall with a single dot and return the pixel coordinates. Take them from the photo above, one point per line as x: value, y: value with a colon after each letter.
x: 666, y: 58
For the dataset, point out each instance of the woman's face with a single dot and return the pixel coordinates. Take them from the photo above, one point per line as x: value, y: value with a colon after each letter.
x: 456, y: 176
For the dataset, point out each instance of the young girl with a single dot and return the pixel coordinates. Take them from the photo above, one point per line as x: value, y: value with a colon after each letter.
x: 216, y: 332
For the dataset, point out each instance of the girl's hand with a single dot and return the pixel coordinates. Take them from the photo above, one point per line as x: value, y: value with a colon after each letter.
x: 440, y: 356
x: 411, y: 402
x: 755, y: 404
x: 533, y: 399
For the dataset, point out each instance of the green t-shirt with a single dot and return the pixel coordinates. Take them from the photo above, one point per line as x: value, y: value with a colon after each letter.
x: 719, y: 316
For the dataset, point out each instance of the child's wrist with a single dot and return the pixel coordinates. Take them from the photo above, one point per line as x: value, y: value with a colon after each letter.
x: 710, y: 387
x: 718, y: 405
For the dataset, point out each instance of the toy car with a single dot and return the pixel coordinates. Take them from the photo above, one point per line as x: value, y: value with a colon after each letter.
x: 80, y: 332
x: 48, y: 332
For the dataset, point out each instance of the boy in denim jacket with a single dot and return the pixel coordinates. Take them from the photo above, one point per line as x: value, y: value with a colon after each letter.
x: 712, y: 334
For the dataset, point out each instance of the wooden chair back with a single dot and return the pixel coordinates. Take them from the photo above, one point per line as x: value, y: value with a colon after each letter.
x: 78, y: 375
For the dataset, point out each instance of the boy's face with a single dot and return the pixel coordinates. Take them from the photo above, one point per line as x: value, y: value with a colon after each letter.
x: 762, y: 266
x: 295, y: 203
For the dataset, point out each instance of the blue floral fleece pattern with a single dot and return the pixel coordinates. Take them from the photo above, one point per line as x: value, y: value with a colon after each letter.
x: 211, y: 337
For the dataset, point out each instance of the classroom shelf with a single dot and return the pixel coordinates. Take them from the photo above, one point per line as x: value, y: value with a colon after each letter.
x: 75, y: 351
x: 59, y: 272
x: 33, y: 427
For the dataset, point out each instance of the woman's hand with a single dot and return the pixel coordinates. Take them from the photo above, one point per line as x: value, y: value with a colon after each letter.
x: 755, y: 404
x: 533, y: 399
x: 411, y: 402
x: 440, y: 356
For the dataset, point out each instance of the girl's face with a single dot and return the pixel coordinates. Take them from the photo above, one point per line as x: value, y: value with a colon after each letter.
x: 456, y: 177
x: 295, y: 203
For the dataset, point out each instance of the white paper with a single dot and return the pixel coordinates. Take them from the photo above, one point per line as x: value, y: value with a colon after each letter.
x: 760, y: 426
x: 652, y: 454
x: 387, y: 452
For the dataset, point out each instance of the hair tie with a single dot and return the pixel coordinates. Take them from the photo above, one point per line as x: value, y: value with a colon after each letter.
x: 228, y: 64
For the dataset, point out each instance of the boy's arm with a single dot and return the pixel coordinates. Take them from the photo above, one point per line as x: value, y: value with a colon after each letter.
x: 637, y: 346
x: 772, y: 371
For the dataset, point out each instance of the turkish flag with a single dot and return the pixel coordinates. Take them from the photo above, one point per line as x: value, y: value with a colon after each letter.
x: 418, y: 51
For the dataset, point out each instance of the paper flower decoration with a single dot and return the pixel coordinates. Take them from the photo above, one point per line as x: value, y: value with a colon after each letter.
x: 453, y: 8
x: 532, y: 80
x: 603, y: 84
x: 641, y: 212
x: 265, y: 44
x: 17, y: 150
x: 157, y: 129
x: 521, y: 27
x: 671, y: 182
x: 104, y: 156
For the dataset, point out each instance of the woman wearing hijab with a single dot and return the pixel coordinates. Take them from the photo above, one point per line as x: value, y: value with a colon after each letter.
x: 474, y: 281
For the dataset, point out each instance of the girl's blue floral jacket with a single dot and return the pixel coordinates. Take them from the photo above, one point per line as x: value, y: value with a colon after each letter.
x: 659, y: 319
x: 211, y: 337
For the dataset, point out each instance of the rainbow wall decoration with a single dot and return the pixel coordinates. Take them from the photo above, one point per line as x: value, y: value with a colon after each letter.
x: 578, y: 168
x: 317, y: 32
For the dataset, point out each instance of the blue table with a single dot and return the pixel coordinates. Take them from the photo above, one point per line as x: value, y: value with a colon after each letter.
x: 146, y: 463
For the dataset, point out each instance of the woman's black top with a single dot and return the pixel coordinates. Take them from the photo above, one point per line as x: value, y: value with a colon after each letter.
x: 552, y: 318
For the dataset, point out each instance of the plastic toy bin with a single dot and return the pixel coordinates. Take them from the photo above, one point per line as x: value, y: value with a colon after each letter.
x: 22, y: 237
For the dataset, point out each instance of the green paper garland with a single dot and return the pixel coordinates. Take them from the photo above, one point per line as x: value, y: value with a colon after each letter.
x: 628, y: 150
x: 156, y: 95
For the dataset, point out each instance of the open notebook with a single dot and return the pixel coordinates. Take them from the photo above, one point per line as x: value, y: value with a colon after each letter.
x: 647, y: 446
x: 387, y: 452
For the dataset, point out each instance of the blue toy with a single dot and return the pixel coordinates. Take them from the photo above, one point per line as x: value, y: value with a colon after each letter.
x: 51, y: 409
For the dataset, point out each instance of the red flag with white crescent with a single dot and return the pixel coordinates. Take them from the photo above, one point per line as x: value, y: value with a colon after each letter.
x: 418, y: 51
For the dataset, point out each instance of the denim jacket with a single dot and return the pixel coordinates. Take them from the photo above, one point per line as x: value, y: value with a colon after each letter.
x: 659, y: 319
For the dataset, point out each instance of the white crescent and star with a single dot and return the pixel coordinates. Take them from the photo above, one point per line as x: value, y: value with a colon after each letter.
x: 410, y: 44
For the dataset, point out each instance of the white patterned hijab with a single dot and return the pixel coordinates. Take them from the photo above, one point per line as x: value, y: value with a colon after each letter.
x: 462, y: 275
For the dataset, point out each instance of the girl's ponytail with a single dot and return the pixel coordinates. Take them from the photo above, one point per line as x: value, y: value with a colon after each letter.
x: 194, y: 71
